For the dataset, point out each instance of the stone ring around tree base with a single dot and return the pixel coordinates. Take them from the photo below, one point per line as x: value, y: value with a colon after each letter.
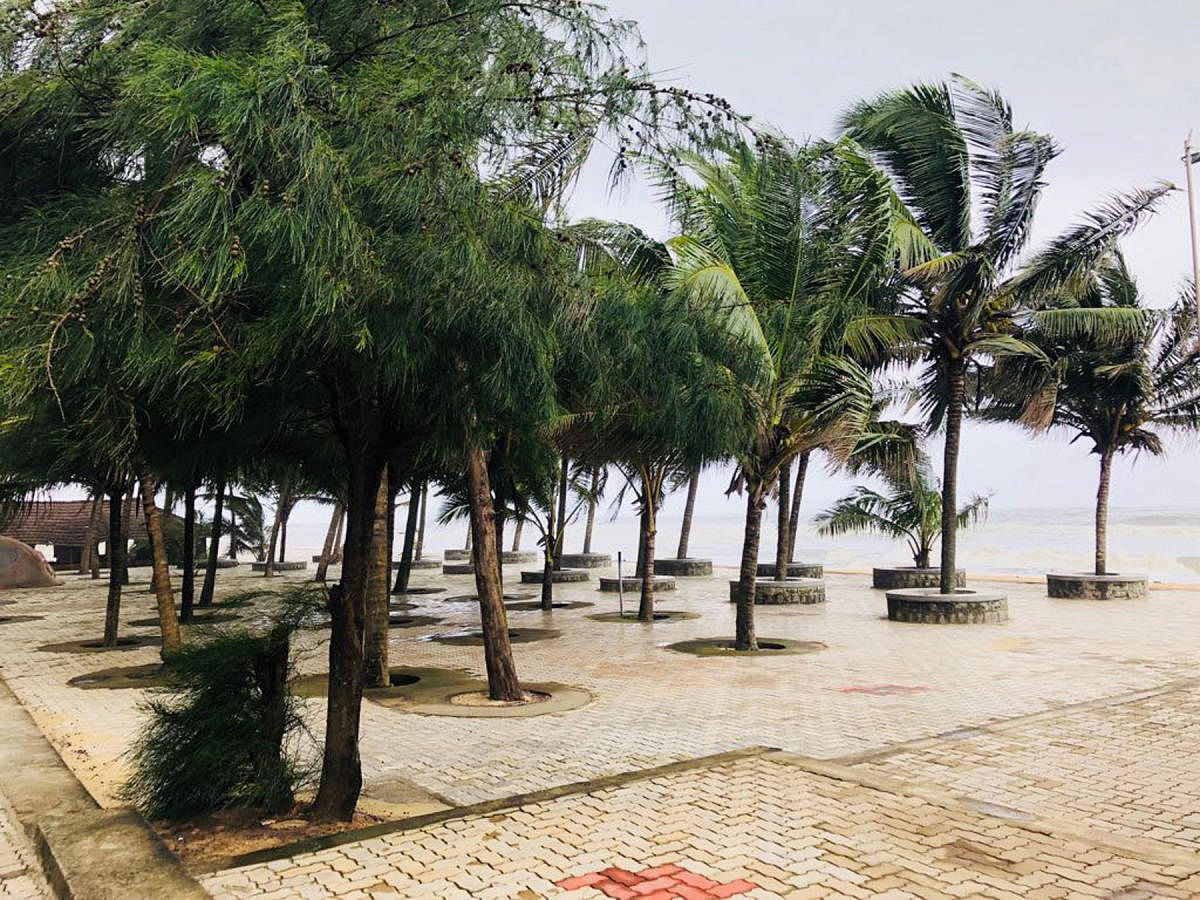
x: 1087, y: 586
x: 791, y: 591
x: 686, y: 567
x: 929, y: 606
x: 900, y: 577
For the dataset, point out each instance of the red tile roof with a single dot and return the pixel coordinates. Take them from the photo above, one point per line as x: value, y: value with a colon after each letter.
x: 64, y: 522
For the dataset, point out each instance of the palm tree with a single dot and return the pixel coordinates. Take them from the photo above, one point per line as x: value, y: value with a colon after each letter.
x: 782, y: 244
x: 966, y: 186
x: 1119, y: 397
x: 911, y: 510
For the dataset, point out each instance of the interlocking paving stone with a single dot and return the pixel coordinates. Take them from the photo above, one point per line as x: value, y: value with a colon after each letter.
x: 20, y: 875
x: 1119, y: 769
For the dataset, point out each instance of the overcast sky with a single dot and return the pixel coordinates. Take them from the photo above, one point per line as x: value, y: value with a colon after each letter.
x: 1117, y: 84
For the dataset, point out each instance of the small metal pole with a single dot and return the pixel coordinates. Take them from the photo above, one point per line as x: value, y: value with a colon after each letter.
x: 1188, y: 158
x: 620, y: 584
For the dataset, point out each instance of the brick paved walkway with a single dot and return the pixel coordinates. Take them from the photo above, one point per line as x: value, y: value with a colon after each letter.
x: 20, y: 876
x: 1026, y: 745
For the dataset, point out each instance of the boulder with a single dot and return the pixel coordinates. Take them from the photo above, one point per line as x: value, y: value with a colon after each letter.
x: 23, y: 567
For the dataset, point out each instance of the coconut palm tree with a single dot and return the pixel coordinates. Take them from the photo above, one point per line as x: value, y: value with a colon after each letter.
x: 782, y: 244
x: 966, y: 186
x: 1120, y: 397
x: 911, y: 510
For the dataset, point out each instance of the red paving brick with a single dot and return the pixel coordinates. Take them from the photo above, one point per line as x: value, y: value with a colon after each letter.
x: 659, y: 871
x: 729, y: 890
x: 570, y: 884
x: 621, y: 876
x: 696, y: 881
x: 614, y: 890
x: 655, y: 884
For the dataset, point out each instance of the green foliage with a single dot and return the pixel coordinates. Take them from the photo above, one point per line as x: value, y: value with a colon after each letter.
x: 911, y: 510
x: 225, y: 730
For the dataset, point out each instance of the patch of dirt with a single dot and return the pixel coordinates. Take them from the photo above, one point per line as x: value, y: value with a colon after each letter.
x: 208, y: 843
x: 481, y: 698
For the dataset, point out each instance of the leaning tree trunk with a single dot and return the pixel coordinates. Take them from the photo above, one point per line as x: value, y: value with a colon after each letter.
x: 116, y: 568
x: 783, y: 540
x: 335, y: 525
x: 375, y: 636
x: 560, y: 529
x: 517, y: 529
x: 954, y: 412
x: 233, y: 541
x: 1106, y: 459
x: 341, y: 767
x: 745, y: 638
x: 168, y: 621
x: 591, y: 515
x: 420, y: 547
x: 689, y: 508
x: 187, y: 590
x: 797, y: 494
x: 646, y: 550
x: 283, y: 536
x: 214, y: 544
x: 89, y: 536
x: 127, y: 520
x: 410, y: 539
x: 497, y: 648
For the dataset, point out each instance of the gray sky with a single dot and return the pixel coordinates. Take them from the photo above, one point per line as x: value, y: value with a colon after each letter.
x: 1117, y: 83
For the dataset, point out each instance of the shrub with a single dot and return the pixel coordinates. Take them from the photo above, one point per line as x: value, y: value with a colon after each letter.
x: 224, y: 731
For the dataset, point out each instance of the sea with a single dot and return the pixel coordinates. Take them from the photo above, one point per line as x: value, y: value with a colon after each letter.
x: 1163, y: 542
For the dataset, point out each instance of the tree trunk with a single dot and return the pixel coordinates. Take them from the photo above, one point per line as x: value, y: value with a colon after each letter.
x: 954, y: 412
x: 1106, y: 459
x: 517, y: 529
x: 335, y: 524
x: 283, y: 537
x: 116, y: 568
x: 797, y: 494
x: 375, y: 637
x: 127, y: 519
x: 410, y: 539
x: 646, y: 551
x: 745, y: 638
x: 591, y: 515
x: 548, y: 568
x: 338, y: 542
x: 689, y: 508
x: 277, y: 521
x: 560, y: 531
x: 214, y: 545
x: 167, y: 620
x: 341, y: 767
x: 89, y: 536
x: 782, y: 543
x: 497, y: 648
x: 187, y: 589
x: 420, y: 547
x: 233, y: 542
x: 467, y: 545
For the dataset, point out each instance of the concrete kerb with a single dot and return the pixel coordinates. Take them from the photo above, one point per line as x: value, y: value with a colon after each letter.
x: 71, y: 833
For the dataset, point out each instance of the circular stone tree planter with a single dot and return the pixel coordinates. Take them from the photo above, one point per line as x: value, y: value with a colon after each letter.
x: 768, y: 592
x: 686, y: 567
x: 613, y: 585
x: 458, y: 568
x: 475, y: 638
x: 147, y: 676
x: 767, y: 647
x: 660, y: 615
x: 453, y: 555
x: 794, y: 570
x: 417, y: 564
x: 901, y: 577
x: 1085, y: 586
x: 512, y: 557
x: 928, y: 606
x: 586, y: 560
x: 536, y: 605
x: 557, y: 576
x: 292, y: 566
